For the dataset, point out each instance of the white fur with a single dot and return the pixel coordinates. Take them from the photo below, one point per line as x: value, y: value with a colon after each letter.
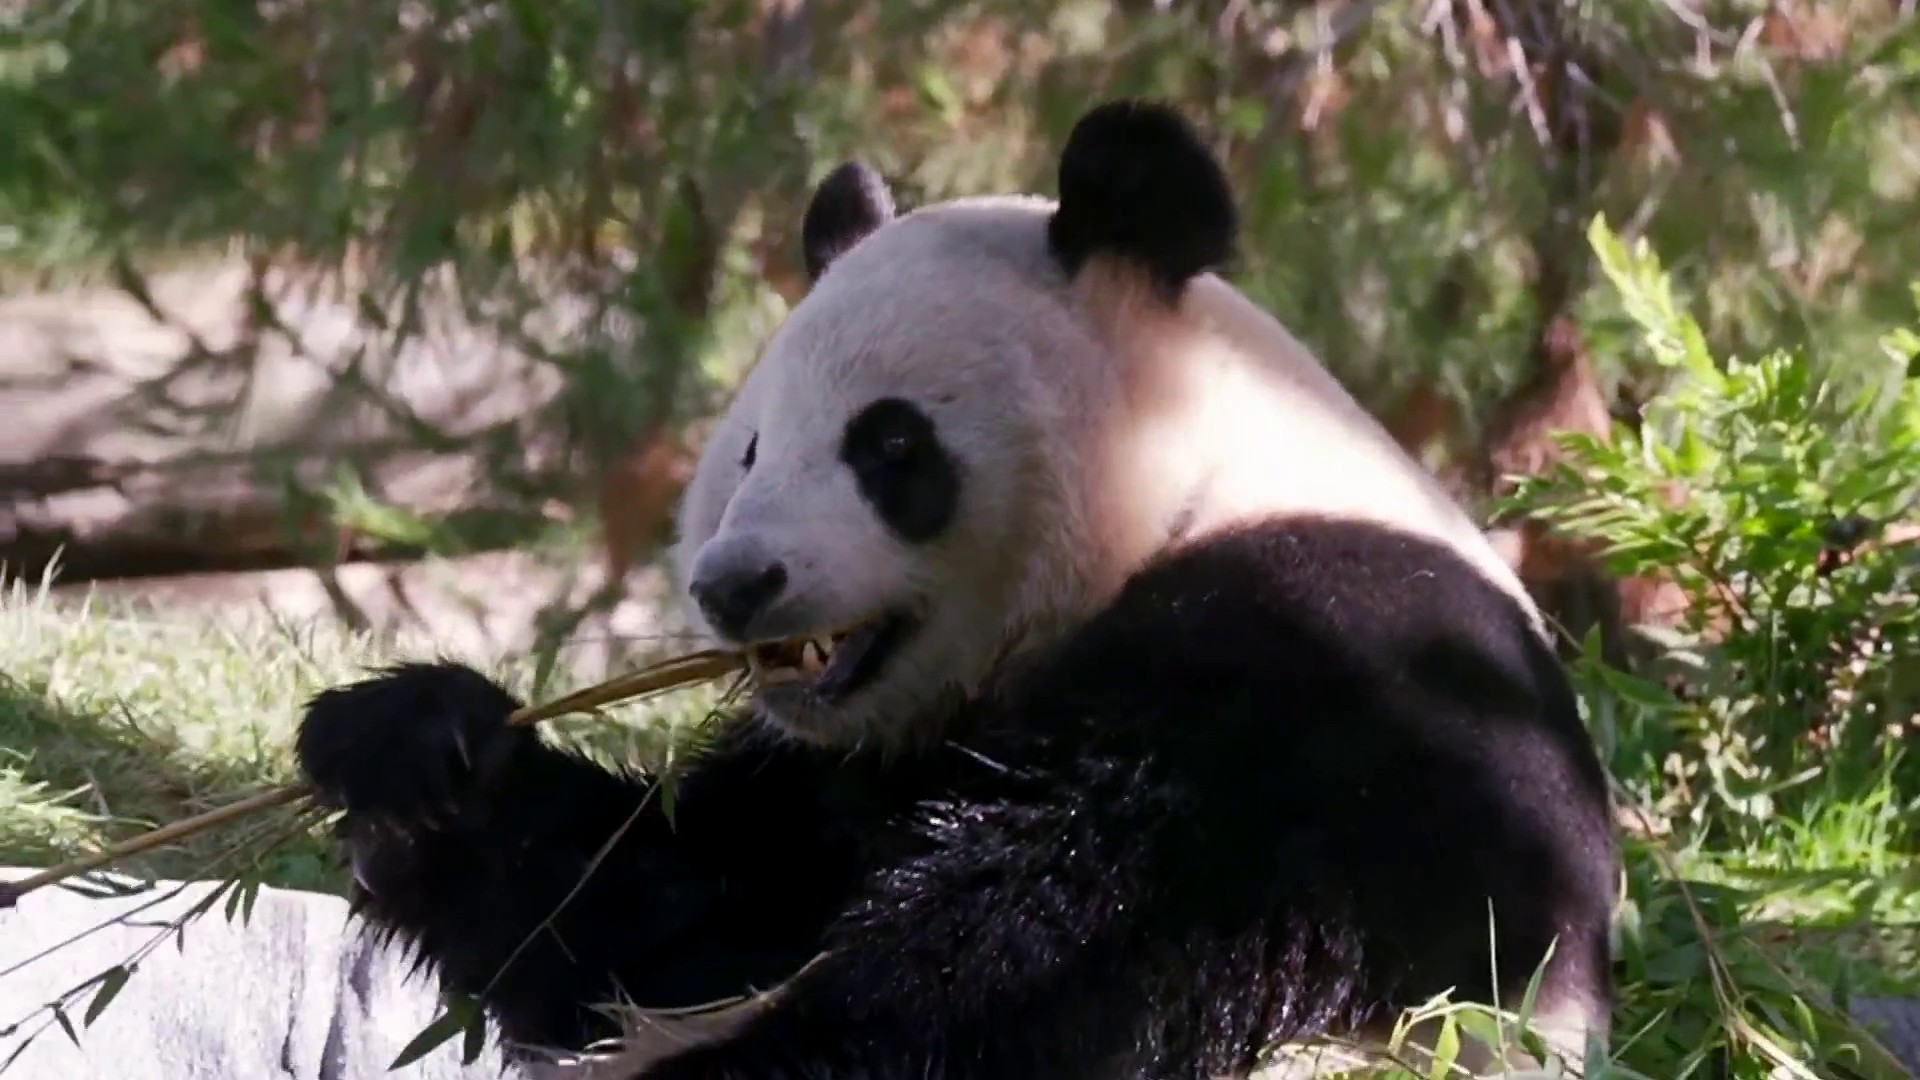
x: 1087, y: 417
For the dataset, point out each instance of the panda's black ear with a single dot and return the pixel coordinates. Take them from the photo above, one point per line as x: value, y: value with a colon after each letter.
x: 850, y: 202
x: 1136, y: 181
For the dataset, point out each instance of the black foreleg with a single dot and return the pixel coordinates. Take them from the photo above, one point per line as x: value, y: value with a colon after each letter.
x: 549, y: 886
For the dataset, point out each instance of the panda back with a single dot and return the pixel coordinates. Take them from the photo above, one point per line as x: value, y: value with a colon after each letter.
x: 1350, y: 724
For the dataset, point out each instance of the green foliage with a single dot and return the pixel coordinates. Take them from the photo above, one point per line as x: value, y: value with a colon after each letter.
x: 463, y: 1017
x: 1767, y: 777
x: 1761, y: 488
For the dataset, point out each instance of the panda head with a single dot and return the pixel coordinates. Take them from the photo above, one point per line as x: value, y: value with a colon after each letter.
x: 986, y: 413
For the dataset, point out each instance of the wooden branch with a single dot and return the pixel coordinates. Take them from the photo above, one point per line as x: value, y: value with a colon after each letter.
x: 100, y: 519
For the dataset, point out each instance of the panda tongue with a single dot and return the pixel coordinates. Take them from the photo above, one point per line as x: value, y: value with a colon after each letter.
x: 848, y: 666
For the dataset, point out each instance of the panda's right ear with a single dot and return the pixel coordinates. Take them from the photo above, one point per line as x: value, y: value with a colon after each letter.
x: 1138, y: 183
x: 850, y: 202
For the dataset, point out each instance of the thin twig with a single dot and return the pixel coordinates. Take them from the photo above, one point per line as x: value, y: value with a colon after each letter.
x: 1338, y: 29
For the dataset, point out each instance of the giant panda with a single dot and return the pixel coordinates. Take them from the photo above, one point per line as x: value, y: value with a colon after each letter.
x: 1158, y: 708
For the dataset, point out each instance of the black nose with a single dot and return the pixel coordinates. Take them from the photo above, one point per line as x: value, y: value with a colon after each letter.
x: 731, y: 599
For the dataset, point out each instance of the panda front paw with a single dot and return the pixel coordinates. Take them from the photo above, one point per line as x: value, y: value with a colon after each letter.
x: 411, y: 747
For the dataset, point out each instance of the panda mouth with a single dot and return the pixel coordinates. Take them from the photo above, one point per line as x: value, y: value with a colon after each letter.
x: 830, y: 665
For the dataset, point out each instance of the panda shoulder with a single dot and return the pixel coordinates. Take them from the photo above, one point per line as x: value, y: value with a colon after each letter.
x: 1336, y: 616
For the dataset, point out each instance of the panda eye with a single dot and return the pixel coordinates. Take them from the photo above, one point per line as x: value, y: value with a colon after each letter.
x: 895, y: 445
x: 753, y: 444
x: 902, y: 470
x: 889, y: 435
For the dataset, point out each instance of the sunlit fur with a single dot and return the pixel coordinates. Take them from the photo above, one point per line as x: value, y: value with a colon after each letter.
x: 1089, y: 419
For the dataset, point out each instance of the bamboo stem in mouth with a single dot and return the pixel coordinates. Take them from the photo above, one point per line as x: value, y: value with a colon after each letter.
x: 672, y: 674
x: 668, y: 675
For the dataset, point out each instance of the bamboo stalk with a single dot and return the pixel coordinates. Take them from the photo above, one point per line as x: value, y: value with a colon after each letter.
x: 668, y: 675
x: 12, y: 891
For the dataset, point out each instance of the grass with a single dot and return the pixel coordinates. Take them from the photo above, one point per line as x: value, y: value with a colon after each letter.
x: 116, y: 719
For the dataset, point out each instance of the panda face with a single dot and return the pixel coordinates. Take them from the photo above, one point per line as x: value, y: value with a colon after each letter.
x: 986, y: 414
x: 877, y: 485
x: 826, y: 540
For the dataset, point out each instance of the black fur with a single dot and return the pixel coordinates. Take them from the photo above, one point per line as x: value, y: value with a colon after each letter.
x: 413, y: 746
x: 734, y: 898
x: 903, y: 470
x: 850, y: 202
x: 1137, y: 181
x: 1272, y: 788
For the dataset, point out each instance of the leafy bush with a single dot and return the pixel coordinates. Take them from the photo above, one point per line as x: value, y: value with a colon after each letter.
x: 1773, y: 495
x: 1763, y: 776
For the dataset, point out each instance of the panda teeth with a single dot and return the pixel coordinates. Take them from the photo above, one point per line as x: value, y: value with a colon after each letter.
x: 794, y: 660
x: 787, y: 662
x: 813, y: 657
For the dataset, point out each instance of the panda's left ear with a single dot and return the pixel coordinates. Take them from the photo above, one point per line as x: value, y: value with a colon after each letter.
x: 850, y: 202
x: 1137, y: 182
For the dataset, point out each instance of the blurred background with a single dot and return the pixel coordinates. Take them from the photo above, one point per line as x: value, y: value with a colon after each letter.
x: 409, y: 312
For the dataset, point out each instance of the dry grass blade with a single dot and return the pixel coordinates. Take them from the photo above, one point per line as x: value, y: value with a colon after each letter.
x: 677, y: 673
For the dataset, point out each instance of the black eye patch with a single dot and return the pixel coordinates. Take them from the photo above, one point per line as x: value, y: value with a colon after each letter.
x: 753, y: 444
x: 903, y: 470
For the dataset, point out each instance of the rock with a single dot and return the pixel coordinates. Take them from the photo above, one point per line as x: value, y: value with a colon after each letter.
x: 297, y: 992
x: 1896, y: 1023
